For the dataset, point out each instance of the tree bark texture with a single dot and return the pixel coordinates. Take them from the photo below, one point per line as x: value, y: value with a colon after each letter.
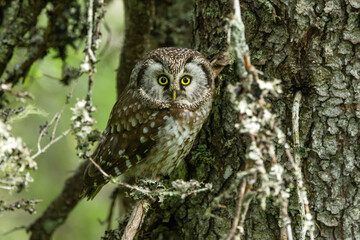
x: 149, y: 25
x: 217, y: 155
x: 314, y: 47
x: 139, y: 17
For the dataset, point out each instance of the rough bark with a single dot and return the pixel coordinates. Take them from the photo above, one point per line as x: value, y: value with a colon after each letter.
x: 216, y: 157
x: 149, y: 25
x: 313, y: 47
x: 139, y: 17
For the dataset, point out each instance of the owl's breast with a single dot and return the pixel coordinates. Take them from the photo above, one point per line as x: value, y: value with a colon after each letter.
x: 174, y: 141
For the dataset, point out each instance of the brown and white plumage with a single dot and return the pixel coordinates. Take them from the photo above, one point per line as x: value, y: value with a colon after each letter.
x: 153, y: 125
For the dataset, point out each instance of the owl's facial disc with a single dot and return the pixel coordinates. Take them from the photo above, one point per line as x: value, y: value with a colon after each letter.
x: 188, y: 88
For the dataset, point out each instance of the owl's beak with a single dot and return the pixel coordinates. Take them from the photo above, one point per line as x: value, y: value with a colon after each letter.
x: 174, y: 95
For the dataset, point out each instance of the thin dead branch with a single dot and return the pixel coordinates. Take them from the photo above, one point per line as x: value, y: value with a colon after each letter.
x: 136, y: 219
x: 241, y: 193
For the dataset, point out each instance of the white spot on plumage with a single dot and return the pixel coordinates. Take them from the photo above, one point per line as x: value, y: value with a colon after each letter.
x: 128, y: 163
x: 143, y: 139
x: 145, y: 130
x: 117, y: 171
x: 133, y: 121
x: 121, y: 152
x: 138, y: 157
x: 152, y: 124
x: 118, y: 128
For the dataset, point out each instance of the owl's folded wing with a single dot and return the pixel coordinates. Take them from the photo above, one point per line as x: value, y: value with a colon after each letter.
x: 129, y: 136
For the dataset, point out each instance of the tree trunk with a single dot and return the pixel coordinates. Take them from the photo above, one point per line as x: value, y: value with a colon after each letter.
x: 218, y: 153
x: 313, y: 47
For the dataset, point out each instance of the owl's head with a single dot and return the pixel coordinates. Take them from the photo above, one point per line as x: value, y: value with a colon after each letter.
x: 174, y: 78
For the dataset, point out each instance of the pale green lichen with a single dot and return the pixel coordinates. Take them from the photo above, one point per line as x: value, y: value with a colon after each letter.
x: 327, y: 219
x: 82, y: 126
x: 353, y: 127
x: 15, y: 160
x: 332, y: 111
x: 335, y: 205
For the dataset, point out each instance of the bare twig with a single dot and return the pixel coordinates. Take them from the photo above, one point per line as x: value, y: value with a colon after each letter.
x: 52, y: 141
x: 8, y: 88
x: 54, y: 121
x: 295, y: 124
x: 308, y: 224
x: 112, y: 205
x: 241, y: 193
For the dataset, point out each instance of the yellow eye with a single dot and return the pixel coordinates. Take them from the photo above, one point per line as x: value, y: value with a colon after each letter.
x: 163, y: 80
x: 185, y: 80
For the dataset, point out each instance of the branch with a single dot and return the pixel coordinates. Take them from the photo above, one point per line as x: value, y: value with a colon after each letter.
x: 136, y: 219
x: 241, y: 193
x: 17, y: 29
x: 41, y: 49
x: 307, y: 219
x: 58, y: 211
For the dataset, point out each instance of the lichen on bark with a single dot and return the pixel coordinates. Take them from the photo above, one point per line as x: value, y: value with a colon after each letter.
x: 319, y: 46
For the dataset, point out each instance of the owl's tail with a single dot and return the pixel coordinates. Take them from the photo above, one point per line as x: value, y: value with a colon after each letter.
x: 93, y: 182
x: 90, y: 192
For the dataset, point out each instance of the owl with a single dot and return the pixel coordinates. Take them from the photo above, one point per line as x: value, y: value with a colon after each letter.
x: 154, y: 122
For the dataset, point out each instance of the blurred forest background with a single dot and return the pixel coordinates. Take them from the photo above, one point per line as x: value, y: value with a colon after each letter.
x: 60, y: 160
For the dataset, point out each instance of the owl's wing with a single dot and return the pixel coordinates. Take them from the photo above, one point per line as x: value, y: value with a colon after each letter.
x: 129, y: 136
